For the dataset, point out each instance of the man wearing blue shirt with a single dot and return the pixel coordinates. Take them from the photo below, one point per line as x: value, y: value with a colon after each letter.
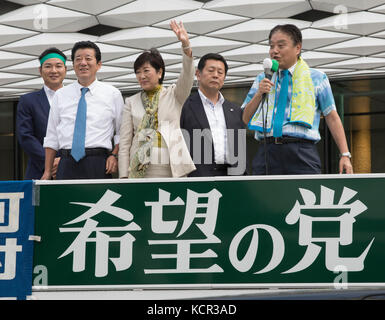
x: 287, y: 122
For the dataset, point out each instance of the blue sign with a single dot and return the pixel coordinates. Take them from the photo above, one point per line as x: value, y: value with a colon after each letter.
x: 16, y: 248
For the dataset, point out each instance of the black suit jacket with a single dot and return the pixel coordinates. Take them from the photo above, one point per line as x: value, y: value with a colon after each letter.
x: 31, y: 125
x: 194, y: 117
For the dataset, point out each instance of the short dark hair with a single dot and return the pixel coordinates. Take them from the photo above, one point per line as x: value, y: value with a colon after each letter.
x: 212, y: 56
x: 154, y: 58
x: 291, y: 30
x: 86, y: 45
x: 52, y: 50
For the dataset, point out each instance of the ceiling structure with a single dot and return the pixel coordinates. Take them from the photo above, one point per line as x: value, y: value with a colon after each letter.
x: 344, y: 38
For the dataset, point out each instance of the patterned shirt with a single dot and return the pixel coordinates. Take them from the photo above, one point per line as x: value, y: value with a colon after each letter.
x: 324, y: 104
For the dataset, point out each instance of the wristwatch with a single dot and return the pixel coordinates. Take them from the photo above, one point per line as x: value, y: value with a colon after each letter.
x: 346, y: 154
x: 114, y: 155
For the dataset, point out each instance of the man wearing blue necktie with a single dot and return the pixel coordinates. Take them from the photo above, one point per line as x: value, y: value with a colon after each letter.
x: 84, y: 121
x: 287, y: 122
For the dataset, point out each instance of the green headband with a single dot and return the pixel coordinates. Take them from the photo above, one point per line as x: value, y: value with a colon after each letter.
x: 50, y: 56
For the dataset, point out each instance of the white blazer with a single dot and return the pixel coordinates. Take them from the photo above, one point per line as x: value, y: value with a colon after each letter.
x: 171, y: 100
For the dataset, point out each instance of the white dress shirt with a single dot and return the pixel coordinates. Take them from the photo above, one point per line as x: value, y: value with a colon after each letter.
x: 104, y: 109
x: 50, y: 94
x: 218, y: 127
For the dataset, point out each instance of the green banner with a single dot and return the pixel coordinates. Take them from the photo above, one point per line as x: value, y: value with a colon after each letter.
x: 229, y: 232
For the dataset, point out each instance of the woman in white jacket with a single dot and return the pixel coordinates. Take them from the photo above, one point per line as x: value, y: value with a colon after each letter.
x: 151, y: 142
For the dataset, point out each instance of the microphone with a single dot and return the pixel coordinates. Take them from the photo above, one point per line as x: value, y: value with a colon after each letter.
x: 269, y: 67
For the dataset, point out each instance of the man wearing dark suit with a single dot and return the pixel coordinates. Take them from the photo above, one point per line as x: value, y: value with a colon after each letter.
x: 33, y: 110
x: 212, y: 126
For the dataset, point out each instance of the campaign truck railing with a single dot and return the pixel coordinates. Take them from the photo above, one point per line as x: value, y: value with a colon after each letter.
x: 241, y: 232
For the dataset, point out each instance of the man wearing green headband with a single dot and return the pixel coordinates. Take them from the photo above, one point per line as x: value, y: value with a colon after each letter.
x: 33, y: 110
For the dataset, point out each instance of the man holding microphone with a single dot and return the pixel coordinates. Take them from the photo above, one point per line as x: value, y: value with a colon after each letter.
x: 288, y: 120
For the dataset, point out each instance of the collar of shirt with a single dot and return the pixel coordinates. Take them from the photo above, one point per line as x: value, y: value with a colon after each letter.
x: 49, y: 92
x: 91, y: 87
x: 209, y: 102
x: 291, y: 70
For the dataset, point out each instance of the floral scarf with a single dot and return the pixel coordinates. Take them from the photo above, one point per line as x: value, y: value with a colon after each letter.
x: 147, y: 131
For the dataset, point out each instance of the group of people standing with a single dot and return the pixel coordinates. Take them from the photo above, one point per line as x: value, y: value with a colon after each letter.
x: 87, y: 131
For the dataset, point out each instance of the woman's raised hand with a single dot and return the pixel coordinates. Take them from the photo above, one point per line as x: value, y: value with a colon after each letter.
x: 181, y: 34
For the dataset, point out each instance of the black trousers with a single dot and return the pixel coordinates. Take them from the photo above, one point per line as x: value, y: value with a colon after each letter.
x: 92, y: 166
x: 287, y: 158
